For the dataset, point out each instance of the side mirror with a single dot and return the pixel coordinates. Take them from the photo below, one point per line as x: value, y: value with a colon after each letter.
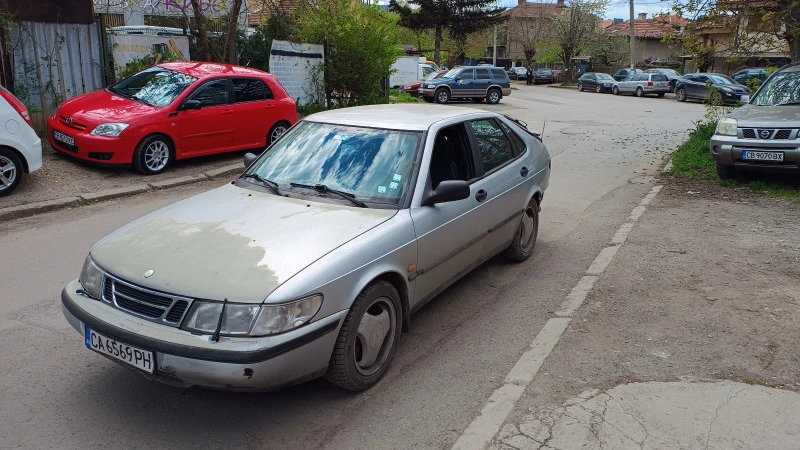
x: 448, y: 191
x: 191, y: 104
x: 249, y: 158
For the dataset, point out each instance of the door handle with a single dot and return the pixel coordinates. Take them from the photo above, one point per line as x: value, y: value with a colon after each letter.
x: 481, y: 195
x: 523, y: 171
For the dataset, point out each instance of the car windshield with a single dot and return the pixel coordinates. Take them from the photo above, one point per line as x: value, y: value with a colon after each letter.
x: 604, y: 77
x: 432, y: 76
x: 374, y: 165
x: 782, y: 89
x: 452, y: 73
x: 155, y: 86
x: 721, y: 79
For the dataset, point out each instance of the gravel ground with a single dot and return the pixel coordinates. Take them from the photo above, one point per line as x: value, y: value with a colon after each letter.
x: 64, y: 177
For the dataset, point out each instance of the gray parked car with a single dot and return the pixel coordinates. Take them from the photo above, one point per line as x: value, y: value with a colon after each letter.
x: 472, y: 82
x: 762, y: 134
x: 312, y: 262
x: 641, y: 84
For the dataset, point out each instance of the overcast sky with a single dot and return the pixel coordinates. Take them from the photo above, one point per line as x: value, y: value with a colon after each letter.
x: 619, y: 8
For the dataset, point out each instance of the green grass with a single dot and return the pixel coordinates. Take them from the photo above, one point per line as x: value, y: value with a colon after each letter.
x: 404, y: 97
x: 693, y: 160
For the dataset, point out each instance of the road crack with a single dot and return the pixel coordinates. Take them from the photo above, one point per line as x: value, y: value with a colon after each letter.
x: 716, y: 413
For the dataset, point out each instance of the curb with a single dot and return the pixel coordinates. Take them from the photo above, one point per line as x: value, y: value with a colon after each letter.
x: 31, y: 209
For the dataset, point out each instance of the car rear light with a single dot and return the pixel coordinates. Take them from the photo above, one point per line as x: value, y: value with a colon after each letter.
x: 16, y: 104
x: 649, y: 84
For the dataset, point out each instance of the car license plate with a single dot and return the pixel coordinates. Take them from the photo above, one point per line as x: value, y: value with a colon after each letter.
x: 749, y: 155
x: 63, y: 138
x: 141, y: 359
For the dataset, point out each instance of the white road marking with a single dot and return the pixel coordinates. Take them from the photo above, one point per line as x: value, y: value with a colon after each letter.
x: 480, y: 432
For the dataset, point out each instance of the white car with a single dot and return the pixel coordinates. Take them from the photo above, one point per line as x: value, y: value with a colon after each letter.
x: 20, y: 147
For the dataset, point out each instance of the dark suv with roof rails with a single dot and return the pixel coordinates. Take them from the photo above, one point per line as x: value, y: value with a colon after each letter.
x: 471, y: 82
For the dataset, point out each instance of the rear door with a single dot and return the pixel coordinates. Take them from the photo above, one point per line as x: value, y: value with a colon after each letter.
x: 253, y: 107
x: 700, y: 87
x: 481, y: 83
x: 211, y: 128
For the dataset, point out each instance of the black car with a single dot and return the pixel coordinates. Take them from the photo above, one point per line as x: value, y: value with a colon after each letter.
x: 755, y: 73
x: 598, y: 82
x: 621, y: 74
x: 543, y: 76
x: 698, y: 85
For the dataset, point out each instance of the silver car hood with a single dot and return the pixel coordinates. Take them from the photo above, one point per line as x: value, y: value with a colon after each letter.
x: 230, y: 242
x: 751, y: 116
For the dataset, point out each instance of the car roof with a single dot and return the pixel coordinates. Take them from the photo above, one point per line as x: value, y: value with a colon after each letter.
x: 395, y: 117
x: 204, y: 69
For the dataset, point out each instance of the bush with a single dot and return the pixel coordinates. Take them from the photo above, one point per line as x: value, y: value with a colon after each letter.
x: 693, y: 158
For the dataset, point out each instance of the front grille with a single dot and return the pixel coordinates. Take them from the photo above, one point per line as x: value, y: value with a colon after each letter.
x: 766, y: 133
x: 156, y: 306
x: 749, y: 133
x: 782, y: 134
x: 71, y: 123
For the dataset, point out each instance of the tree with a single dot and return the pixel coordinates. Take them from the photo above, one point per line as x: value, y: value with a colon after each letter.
x: 199, y: 31
x: 609, y: 51
x: 526, y: 33
x: 575, y: 27
x: 232, y: 32
x: 459, y: 17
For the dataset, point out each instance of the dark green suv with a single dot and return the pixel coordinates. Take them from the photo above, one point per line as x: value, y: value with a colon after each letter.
x: 471, y: 82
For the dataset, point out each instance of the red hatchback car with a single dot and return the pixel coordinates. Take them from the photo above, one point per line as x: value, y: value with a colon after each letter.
x: 173, y: 111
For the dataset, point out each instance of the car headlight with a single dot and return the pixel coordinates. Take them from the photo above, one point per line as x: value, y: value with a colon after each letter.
x: 727, y: 127
x: 91, y: 278
x: 251, y: 320
x: 109, y: 129
x: 406, y: 87
x: 431, y: 86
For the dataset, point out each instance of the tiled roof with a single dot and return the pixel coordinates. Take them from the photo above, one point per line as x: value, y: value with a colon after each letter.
x: 535, y: 10
x: 651, y: 28
x: 606, y: 24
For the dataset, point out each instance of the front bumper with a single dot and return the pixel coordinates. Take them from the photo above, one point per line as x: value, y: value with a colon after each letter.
x: 234, y: 363
x: 728, y: 150
x: 95, y: 149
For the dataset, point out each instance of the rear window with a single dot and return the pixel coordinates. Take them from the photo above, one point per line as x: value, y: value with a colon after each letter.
x: 659, y: 77
x: 482, y: 74
x: 250, y: 89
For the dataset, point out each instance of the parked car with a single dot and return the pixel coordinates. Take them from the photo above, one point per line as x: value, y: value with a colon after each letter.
x: 518, y: 73
x: 642, y: 84
x: 413, y: 88
x: 20, y: 147
x: 543, y: 76
x: 755, y: 73
x: 698, y: 85
x: 470, y: 82
x: 762, y: 134
x: 621, y: 74
x: 312, y: 261
x: 173, y: 111
x: 671, y: 74
x: 594, y: 81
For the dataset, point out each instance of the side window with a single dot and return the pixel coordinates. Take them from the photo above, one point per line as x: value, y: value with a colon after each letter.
x: 250, y: 90
x: 482, y: 74
x: 494, y: 147
x: 213, y: 93
x: 702, y: 79
x: 659, y: 77
x: 516, y: 141
x: 452, y: 157
x: 467, y: 74
x: 499, y: 74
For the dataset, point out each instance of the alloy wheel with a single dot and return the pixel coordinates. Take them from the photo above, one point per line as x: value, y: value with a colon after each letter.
x: 156, y: 156
x: 277, y: 132
x: 8, y: 173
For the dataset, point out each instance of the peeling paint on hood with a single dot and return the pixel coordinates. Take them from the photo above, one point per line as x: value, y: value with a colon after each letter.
x: 230, y: 243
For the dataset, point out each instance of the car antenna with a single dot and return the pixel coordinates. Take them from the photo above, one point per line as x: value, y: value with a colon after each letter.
x: 215, y: 336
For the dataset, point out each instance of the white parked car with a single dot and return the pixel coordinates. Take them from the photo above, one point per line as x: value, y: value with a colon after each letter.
x: 20, y: 147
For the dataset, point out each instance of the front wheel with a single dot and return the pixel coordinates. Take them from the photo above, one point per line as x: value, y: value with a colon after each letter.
x: 580, y: 87
x: 368, y: 339
x: 153, y: 155
x: 615, y: 90
x: 725, y: 171
x: 680, y: 94
x: 521, y: 247
x: 639, y: 92
x: 598, y: 89
x: 11, y: 169
x: 493, y: 96
x: 276, y: 132
x: 442, y: 96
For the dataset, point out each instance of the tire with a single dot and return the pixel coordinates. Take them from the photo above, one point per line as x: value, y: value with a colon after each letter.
x: 442, y: 96
x: 493, y: 96
x: 615, y: 90
x: 580, y: 87
x: 661, y: 94
x: 153, y: 155
x: 381, y: 303
x: 639, y: 92
x: 11, y: 170
x: 524, y: 240
x: 598, y: 89
x: 725, y: 171
x: 277, y: 131
x: 715, y: 98
x: 680, y: 94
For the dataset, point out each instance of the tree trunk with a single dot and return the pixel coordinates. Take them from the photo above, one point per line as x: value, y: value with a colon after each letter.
x: 202, y: 36
x: 568, y: 52
x: 437, y: 44
x: 231, y: 56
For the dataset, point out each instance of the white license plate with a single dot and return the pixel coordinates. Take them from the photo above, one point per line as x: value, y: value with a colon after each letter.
x: 749, y: 155
x: 63, y: 138
x: 141, y: 359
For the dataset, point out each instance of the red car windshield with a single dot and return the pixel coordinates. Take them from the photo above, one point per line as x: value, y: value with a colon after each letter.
x: 155, y: 86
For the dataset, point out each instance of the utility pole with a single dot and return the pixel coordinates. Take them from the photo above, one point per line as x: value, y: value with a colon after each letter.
x: 632, y: 39
x: 494, y: 50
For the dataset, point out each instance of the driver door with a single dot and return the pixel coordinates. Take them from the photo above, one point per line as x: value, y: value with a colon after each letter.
x: 210, y: 128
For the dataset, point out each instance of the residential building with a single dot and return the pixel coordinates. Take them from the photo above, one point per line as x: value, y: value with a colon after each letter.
x: 650, y: 35
x: 528, y: 24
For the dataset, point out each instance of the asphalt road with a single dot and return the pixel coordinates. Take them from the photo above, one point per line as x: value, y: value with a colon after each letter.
x: 57, y: 394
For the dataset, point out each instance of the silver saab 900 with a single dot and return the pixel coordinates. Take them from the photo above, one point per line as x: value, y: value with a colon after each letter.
x: 312, y: 262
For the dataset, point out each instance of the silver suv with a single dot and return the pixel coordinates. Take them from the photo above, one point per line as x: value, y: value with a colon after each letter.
x: 763, y: 134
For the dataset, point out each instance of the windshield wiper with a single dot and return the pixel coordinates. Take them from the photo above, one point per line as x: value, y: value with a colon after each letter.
x: 268, y: 183
x: 326, y: 190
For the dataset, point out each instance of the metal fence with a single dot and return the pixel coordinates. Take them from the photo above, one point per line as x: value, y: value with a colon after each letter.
x: 53, y: 62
